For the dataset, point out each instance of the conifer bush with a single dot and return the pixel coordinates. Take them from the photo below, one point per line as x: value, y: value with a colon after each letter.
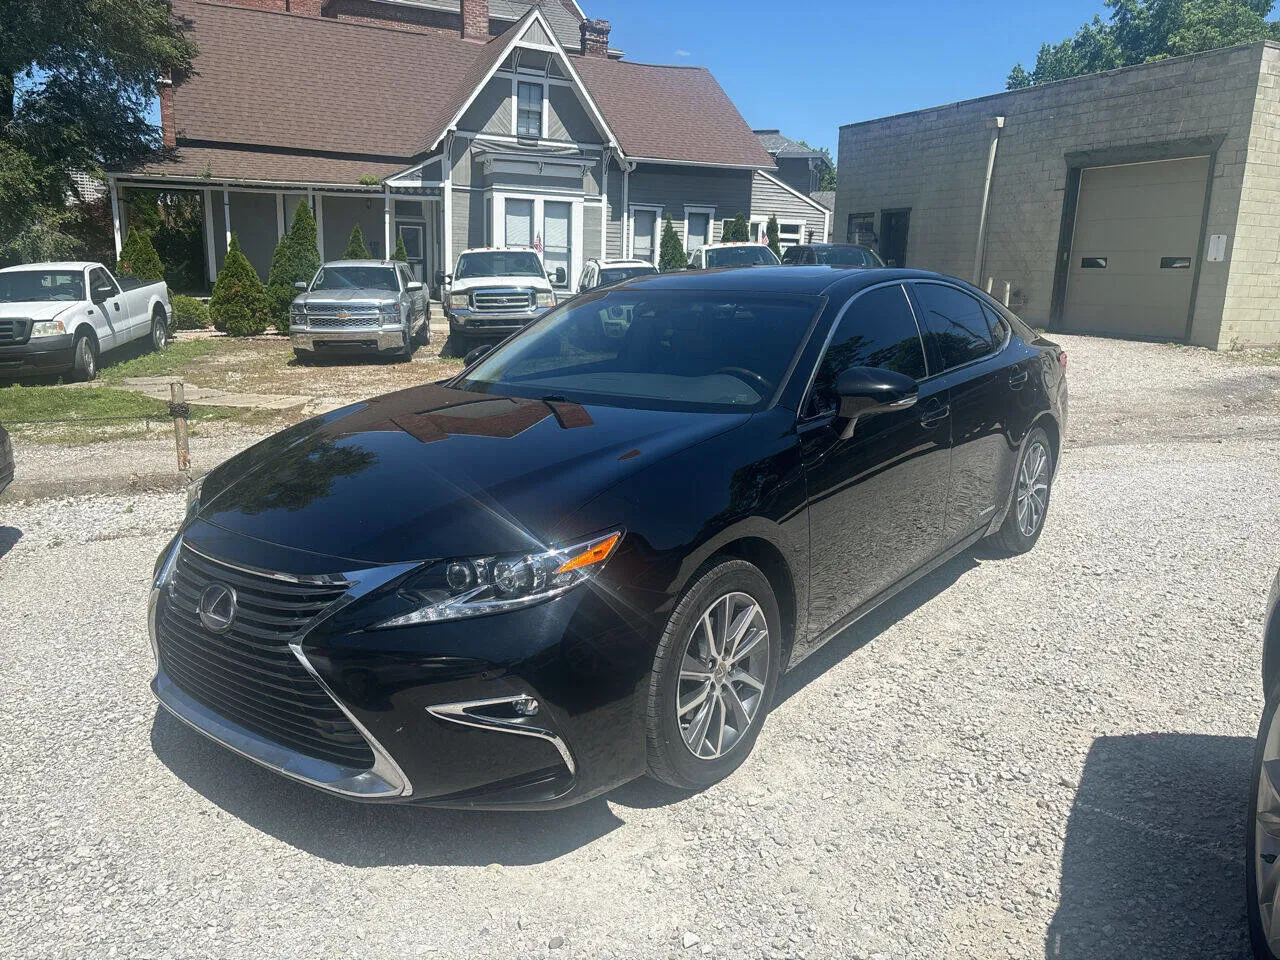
x: 238, y: 306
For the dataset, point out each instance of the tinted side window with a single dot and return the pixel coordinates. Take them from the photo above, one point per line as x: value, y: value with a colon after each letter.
x: 957, y: 321
x: 100, y: 278
x: 878, y: 330
x: 793, y: 255
x: 996, y: 324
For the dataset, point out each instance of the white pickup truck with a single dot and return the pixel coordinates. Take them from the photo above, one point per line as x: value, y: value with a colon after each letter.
x: 497, y: 291
x: 60, y: 317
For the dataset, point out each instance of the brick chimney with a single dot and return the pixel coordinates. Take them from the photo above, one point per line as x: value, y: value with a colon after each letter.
x: 475, y: 19
x: 168, y: 126
x: 595, y: 38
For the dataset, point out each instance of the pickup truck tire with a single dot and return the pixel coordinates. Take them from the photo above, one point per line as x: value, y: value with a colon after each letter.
x: 159, y: 329
x: 84, y: 357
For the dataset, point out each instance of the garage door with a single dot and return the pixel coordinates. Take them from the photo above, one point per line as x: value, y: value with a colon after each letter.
x: 1133, y: 253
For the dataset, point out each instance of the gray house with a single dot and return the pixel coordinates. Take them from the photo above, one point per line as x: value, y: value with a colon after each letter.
x: 1142, y: 202
x: 449, y: 125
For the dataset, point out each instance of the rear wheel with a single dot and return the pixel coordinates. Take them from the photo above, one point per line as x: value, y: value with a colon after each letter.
x: 713, y: 677
x: 1262, y: 838
x: 84, y: 358
x: 1031, y: 486
x: 159, y: 330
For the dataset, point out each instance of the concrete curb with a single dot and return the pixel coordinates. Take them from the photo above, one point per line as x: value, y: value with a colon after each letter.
x: 89, y: 486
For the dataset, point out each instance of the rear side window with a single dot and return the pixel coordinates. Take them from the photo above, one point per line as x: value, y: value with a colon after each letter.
x: 957, y: 321
x: 795, y: 255
x: 996, y: 325
x: 878, y: 330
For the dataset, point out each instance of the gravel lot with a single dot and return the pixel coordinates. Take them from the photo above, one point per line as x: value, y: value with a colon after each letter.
x: 1040, y: 756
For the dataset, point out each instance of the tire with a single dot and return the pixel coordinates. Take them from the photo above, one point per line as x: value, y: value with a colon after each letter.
x: 159, y: 330
x: 1253, y: 856
x: 84, y: 358
x: 423, y: 336
x: 1024, y: 522
x: 671, y: 758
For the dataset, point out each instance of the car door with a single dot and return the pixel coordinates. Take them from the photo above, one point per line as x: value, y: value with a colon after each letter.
x: 876, y: 494
x: 981, y: 377
x: 111, y: 320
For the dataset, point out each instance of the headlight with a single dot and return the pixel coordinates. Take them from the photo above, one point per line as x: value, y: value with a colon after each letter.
x: 454, y: 589
x: 459, y: 301
x: 297, y: 310
x: 47, y: 328
x: 390, y: 310
x: 165, y: 563
x: 193, y: 495
x: 545, y: 298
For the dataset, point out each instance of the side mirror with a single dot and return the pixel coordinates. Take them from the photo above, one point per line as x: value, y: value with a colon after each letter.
x: 414, y: 285
x: 300, y: 284
x: 476, y: 355
x: 865, y: 391
x: 559, y: 277
x: 102, y: 292
x: 442, y: 278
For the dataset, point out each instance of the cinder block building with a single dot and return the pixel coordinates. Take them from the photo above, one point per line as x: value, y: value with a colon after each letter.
x: 1142, y: 202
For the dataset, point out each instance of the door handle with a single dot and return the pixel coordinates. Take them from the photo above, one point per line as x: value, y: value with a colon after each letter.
x: 931, y: 418
x: 1018, y: 379
x: 117, y: 307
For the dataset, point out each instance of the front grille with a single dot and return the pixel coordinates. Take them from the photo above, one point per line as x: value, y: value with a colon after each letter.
x: 343, y: 323
x: 14, y: 331
x: 248, y: 675
x: 495, y: 301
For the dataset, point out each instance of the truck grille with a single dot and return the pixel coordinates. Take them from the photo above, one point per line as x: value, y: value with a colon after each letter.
x: 14, y: 331
x: 363, y: 321
x: 248, y: 674
x: 496, y: 301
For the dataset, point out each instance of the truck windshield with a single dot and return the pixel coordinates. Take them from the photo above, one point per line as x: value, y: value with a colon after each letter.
x: 741, y: 257
x: 499, y: 263
x: 355, y: 278
x: 613, y: 275
x: 29, y: 286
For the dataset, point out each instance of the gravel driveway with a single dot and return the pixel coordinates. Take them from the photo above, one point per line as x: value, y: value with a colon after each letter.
x: 1044, y: 756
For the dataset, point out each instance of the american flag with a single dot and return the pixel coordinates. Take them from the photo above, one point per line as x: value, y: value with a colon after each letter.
x: 537, y: 244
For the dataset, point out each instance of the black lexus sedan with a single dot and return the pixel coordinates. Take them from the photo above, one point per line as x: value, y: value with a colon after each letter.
x: 1262, y: 832
x: 591, y: 554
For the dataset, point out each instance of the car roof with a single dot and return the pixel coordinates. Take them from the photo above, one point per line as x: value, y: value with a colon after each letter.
x: 855, y: 246
x: 53, y: 265
x: 783, y: 279
x: 361, y: 263
x: 732, y: 243
x: 620, y: 263
x: 498, y: 250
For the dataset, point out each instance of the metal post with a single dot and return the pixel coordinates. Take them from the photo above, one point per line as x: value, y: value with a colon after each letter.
x: 1008, y: 289
x: 990, y: 282
x: 115, y: 213
x: 996, y: 124
x: 178, y: 409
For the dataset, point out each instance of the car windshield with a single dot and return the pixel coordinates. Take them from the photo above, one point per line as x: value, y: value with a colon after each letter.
x: 41, y: 285
x: 847, y: 257
x: 613, y: 275
x: 499, y: 263
x: 750, y: 256
x: 715, y: 351
x: 355, y: 278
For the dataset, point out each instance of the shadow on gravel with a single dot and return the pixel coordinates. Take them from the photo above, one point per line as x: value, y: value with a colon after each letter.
x: 365, y: 834
x: 1153, y: 864
x: 9, y: 537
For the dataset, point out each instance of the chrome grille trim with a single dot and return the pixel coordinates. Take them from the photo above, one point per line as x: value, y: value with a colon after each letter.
x: 499, y: 299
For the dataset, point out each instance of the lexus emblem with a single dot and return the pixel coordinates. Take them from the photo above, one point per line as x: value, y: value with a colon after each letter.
x: 217, y: 608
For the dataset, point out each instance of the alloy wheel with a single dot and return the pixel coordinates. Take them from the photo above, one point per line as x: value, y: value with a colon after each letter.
x: 159, y: 334
x: 1033, y: 488
x: 87, y: 362
x: 1266, y: 837
x: 723, y: 673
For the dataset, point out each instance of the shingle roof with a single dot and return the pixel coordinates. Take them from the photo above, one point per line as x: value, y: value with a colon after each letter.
x: 562, y: 15
x: 780, y: 145
x: 825, y: 197
x: 222, y: 163
x: 310, y: 85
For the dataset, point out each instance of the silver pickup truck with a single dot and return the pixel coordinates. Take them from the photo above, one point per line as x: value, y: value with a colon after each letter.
x: 360, y: 306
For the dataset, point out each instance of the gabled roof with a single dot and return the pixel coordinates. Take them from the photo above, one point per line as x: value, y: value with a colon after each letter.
x: 780, y: 145
x: 563, y: 16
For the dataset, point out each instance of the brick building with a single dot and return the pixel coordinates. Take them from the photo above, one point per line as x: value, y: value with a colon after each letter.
x: 1140, y: 202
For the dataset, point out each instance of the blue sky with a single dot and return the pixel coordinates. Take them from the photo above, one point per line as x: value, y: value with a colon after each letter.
x: 806, y: 68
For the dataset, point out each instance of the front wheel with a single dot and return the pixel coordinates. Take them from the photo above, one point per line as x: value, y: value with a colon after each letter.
x: 84, y: 358
x: 1262, y: 838
x: 159, y: 330
x: 1031, y: 486
x: 713, y: 677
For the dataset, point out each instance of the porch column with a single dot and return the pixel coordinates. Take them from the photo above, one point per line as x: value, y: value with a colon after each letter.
x: 604, y: 205
x: 280, y: 227
x: 115, y: 213
x: 210, y: 243
x: 319, y: 211
x: 226, y: 214
x: 386, y: 220
x: 446, y: 193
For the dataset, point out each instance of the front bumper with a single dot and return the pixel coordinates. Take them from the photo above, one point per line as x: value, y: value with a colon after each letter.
x: 36, y: 357
x: 372, y: 339
x: 483, y: 323
x: 532, y: 708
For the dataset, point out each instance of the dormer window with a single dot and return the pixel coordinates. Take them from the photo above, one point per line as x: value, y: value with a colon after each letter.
x: 529, y: 109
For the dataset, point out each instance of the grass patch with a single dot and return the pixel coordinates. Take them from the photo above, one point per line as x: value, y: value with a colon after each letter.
x: 162, y: 363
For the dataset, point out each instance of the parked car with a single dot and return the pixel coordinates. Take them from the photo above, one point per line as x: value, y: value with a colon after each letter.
x: 60, y: 317
x: 497, y: 291
x: 715, y: 255
x: 605, y: 273
x: 360, y: 306
x: 6, y: 459
x: 1262, y: 832
x: 632, y: 532
x: 831, y: 255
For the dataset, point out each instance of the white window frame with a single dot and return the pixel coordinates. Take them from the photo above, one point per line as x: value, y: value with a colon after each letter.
x: 711, y: 223
x: 541, y: 83
x: 499, y: 199
x: 657, y: 231
x: 800, y: 225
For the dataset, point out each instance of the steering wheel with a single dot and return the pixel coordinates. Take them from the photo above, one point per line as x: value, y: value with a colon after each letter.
x: 749, y: 377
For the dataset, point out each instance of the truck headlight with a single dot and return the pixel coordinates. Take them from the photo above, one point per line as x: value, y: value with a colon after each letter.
x: 472, y: 587
x: 389, y: 312
x: 47, y: 328
x: 459, y: 301
x: 545, y: 298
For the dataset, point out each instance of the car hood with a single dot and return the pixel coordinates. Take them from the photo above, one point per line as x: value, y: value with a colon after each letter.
x: 36, y: 309
x: 347, y: 296
x: 483, y: 283
x: 433, y: 472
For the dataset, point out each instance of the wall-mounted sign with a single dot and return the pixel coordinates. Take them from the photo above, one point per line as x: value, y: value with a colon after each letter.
x: 1217, y: 248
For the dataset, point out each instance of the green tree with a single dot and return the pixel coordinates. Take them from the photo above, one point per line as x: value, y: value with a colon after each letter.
x: 188, y: 313
x: 1140, y: 31
x: 671, y: 252
x: 356, y: 247
x: 771, y: 232
x: 238, y: 306
x: 736, y: 230
x: 295, y: 259
x: 401, y: 253
x: 76, y: 83
x: 138, y: 257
